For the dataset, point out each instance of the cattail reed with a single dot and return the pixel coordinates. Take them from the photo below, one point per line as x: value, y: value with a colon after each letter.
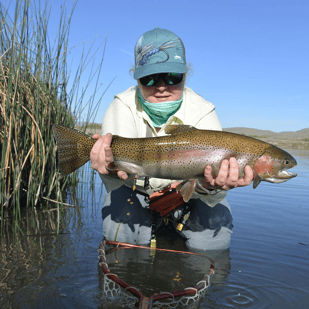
x: 33, y: 97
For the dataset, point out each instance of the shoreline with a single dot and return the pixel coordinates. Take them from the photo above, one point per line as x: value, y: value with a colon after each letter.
x: 286, y: 143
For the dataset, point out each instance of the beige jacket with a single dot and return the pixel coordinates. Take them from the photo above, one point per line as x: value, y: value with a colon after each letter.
x: 126, y: 117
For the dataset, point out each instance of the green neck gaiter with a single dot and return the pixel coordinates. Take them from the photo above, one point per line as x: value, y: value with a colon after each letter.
x: 159, y: 113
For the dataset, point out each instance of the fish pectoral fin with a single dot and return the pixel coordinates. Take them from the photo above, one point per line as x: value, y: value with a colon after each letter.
x: 179, y: 186
x: 256, y: 179
x: 186, y: 189
x: 177, y: 128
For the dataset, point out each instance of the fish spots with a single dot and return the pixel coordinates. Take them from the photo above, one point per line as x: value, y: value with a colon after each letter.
x: 73, y: 148
x: 186, y: 154
x: 179, y: 156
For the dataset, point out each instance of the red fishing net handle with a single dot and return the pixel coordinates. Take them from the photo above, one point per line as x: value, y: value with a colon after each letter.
x: 146, y: 302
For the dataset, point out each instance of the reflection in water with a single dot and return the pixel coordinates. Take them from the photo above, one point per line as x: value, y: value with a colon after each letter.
x: 30, y: 248
x: 24, y: 251
x: 154, y: 274
x: 265, y: 267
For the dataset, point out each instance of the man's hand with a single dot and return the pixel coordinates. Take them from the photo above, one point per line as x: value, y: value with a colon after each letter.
x: 228, y: 176
x: 101, y: 155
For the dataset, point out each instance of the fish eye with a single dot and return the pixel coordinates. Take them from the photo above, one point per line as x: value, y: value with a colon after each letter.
x: 286, y: 162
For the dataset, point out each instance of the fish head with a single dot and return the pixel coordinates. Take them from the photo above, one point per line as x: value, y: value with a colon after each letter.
x: 272, y: 166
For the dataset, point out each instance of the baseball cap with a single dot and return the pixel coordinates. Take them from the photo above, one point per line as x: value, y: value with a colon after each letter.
x: 159, y: 51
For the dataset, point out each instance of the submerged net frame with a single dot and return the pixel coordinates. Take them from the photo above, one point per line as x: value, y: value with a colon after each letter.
x: 173, y: 299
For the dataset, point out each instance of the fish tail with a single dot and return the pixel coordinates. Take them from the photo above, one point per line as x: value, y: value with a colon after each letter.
x: 73, y: 148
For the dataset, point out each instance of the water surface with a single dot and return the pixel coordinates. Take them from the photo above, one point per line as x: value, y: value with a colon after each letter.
x: 266, y: 266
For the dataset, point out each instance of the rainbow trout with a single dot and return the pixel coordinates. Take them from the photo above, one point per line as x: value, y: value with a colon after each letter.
x: 181, y: 155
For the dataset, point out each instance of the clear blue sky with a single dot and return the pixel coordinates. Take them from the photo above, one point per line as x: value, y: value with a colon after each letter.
x: 250, y: 58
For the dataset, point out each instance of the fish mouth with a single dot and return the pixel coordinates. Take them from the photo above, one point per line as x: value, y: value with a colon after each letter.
x: 281, y: 177
x: 286, y: 175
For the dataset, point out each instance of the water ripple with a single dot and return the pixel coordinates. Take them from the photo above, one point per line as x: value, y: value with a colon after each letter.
x: 246, y: 295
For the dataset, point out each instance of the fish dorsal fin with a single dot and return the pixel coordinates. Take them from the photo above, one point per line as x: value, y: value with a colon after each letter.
x: 177, y: 128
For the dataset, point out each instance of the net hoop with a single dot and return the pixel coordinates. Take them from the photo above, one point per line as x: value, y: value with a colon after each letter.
x: 192, y: 293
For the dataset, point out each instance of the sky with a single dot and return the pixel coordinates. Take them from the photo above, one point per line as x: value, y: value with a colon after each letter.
x: 249, y: 57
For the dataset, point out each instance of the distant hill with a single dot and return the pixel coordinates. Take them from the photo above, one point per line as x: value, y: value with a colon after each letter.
x: 287, y: 135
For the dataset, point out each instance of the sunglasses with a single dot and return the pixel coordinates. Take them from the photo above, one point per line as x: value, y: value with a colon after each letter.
x: 168, y: 78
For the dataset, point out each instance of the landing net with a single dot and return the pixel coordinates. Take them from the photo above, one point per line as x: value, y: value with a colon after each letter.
x: 151, y: 297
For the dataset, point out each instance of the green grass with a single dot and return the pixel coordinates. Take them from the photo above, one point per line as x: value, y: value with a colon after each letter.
x: 34, y: 95
x: 258, y: 136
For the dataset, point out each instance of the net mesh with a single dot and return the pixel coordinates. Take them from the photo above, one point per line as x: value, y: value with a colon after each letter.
x: 148, y: 295
x: 112, y: 292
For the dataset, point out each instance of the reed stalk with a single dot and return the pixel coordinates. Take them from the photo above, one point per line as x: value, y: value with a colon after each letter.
x: 34, y: 95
